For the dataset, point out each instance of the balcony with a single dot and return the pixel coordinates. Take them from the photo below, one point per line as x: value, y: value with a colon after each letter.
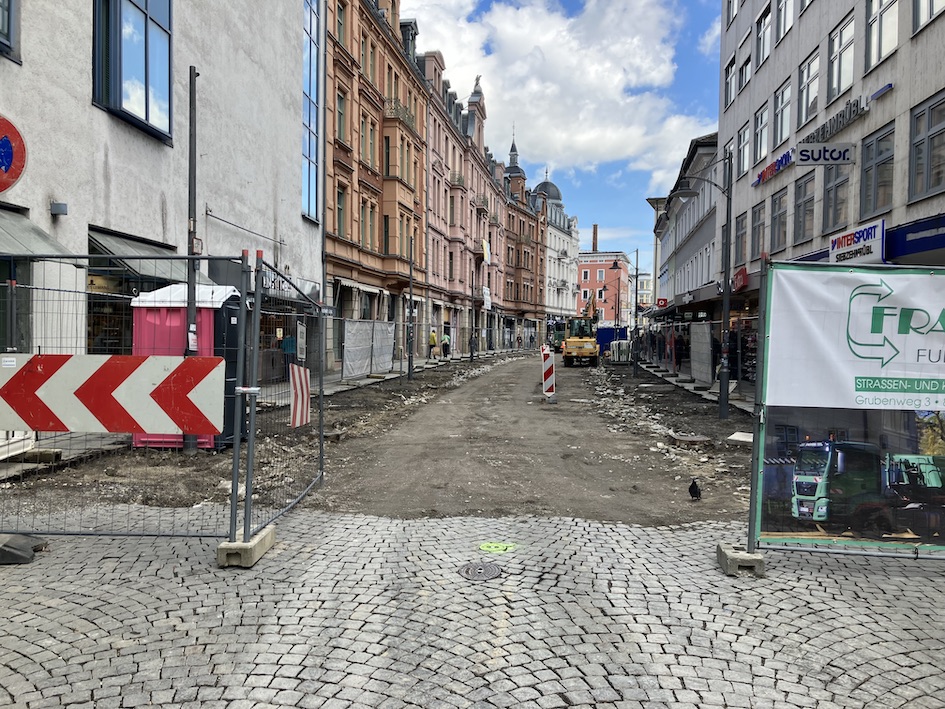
x: 457, y: 179
x: 494, y: 218
x: 393, y: 108
x: 481, y: 203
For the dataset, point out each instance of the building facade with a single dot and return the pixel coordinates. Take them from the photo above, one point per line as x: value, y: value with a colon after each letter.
x: 101, y: 94
x: 852, y: 74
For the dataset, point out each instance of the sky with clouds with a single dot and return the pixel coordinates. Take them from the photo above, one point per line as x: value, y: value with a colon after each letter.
x: 604, y: 94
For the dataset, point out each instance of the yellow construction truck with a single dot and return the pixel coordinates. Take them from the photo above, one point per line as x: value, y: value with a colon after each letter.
x: 580, y: 338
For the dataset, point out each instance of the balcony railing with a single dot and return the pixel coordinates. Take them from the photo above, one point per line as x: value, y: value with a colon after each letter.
x: 457, y: 179
x: 393, y: 108
x: 481, y: 202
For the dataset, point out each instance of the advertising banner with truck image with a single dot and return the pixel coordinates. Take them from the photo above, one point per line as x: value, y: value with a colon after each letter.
x: 852, y: 404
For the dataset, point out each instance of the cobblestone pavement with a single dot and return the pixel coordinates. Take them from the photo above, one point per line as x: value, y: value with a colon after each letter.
x: 353, y: 611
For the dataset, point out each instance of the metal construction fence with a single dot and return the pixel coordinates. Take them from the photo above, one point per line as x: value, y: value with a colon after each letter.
x: 132, y: 404
x: 694, y: 347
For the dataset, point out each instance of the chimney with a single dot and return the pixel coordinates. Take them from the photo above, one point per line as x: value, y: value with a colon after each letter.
x: 594, y: 239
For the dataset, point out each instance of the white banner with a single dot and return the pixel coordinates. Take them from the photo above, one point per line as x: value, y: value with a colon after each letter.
x: 855, y: 338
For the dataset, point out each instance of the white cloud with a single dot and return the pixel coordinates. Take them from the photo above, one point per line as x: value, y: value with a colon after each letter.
x: 709, y: 41
x: 581, y: 90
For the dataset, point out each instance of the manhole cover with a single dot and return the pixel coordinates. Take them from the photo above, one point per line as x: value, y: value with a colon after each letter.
x: 477, y: 571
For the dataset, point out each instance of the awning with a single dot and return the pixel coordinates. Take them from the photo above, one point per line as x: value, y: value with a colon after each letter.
x: 348, y: 283
x: 21, y: 237
x: 139, y: 257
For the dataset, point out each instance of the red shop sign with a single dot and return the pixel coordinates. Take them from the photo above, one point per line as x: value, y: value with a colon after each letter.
x: 740, y: 280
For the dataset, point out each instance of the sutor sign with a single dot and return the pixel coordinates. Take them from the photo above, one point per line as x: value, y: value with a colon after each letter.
x: 809, y: 154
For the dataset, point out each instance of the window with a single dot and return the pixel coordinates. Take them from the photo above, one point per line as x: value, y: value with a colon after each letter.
x: 807, y: 78
x: 741, y: 230
x: 927, y: 160
x: 731, y: 10
x: 585, y: 275
x: 760, y: 145
x: 340, y: 216
x: 779, y: 220
x: 836, y: 191
x: 744, y: 74
x: 757, y: 229
x: 804, y: 4
x: 600, y: 274
x: 363, y: 137
x: 132, y: 61
x: 9, y: 22
x: 730, y: 82
x: 364, y: 225
x: 925, y: 10
x: 882, y: 31
x: 782, y: 113
x: 340, y: 117
x: 310, y: 135
x: 784, y: 18
x: 763, y: 36
x: 372, y: 144
x: 804, y: 208
x: 840, y: 60
x: 877, y: 183
x: 340, y: 17
x: 743, y: 155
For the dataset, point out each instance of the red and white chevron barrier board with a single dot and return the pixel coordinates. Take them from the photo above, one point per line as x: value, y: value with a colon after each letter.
x: 111, y: 393
x: 547, y: 370
x: 300, y: 408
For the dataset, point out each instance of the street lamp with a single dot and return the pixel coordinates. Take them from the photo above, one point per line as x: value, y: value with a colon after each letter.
x: 615, y: 266
x: 685, y: 190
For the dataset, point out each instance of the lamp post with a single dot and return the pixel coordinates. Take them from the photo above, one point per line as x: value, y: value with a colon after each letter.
x: 636, y: 304
x: 615, y: 266
x: 411, y: 321
x: 686, y: 191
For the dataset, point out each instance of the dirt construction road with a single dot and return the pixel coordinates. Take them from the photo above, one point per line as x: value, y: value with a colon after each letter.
x: 479, y: 439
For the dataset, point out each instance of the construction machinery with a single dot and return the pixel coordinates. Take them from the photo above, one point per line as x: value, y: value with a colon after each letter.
x: 579, y: 345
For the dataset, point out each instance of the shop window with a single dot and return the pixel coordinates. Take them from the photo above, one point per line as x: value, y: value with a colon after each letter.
x: 877, y: 183
x: 132, y: 62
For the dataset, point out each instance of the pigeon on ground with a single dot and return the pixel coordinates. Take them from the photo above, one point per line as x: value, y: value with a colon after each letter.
x: 694, y: 492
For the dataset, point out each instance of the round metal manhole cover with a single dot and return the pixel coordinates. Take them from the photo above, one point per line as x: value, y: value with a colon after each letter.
x: 478, y: 571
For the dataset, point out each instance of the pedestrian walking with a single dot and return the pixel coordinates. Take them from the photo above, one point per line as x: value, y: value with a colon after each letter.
x: 431, y: 344
x: 518, y: 341
x: 445, y: 345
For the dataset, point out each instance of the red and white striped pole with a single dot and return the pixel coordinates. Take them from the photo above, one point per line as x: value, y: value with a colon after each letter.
x: 548, y: 373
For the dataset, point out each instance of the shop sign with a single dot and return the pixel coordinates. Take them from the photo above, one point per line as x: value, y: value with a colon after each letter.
x: 774, y: 168
x: 853, y: 110
x: 740, y: 280
x: 12, y: 154
x: 861, y: 245
x: 825, y: 154
x: 662, y: 302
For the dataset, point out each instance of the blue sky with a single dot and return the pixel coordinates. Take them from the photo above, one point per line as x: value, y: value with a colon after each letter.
x: 604, y: 94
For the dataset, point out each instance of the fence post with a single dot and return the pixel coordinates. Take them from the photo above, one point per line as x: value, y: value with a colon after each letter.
x: 239, y: 393
x: 254, y: 391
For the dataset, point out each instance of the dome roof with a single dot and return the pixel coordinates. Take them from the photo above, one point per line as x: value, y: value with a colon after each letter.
x: 550, y: 190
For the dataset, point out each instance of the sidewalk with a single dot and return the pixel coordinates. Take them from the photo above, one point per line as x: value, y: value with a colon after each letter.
x: 741, y: 393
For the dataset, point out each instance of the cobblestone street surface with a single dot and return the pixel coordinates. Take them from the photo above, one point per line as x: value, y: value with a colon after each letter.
x: 360, y: 611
